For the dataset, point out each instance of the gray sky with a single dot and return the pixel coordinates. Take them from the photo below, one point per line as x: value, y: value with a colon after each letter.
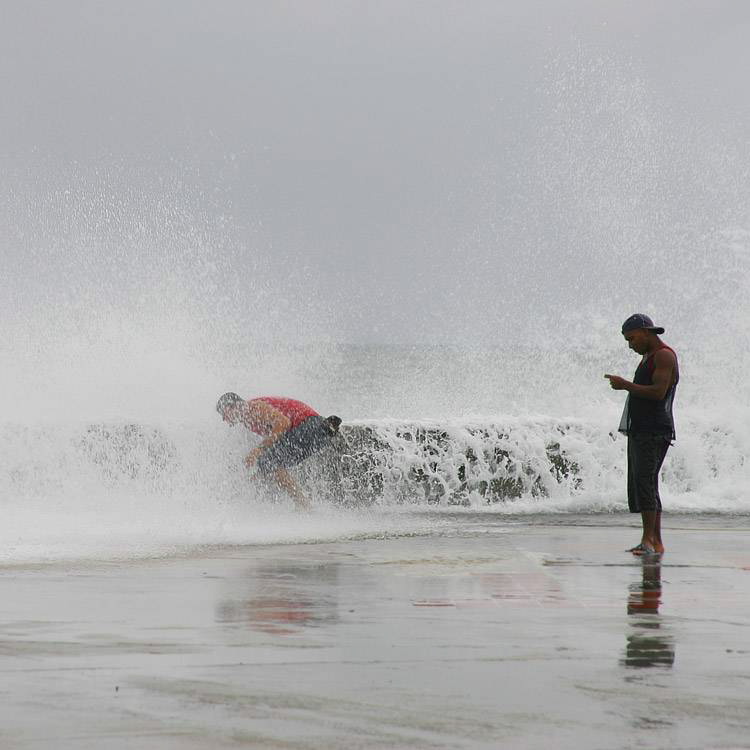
x: 363, y: 171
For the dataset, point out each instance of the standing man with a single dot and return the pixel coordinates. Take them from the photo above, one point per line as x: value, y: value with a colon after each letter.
x: 292, y: 431
x: 648, y: 422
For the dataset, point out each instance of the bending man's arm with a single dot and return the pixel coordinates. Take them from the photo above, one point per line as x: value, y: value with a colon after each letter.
x: 664, y: 365
x: 278, y: 423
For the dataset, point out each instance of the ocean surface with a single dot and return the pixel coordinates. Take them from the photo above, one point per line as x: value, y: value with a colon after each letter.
x: 123, y: 320
x: 432, y: 438
x: 456, y: 299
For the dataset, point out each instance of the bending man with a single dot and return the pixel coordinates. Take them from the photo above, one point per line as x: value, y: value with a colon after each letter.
x: 648, y: 422
x: 292, y: 431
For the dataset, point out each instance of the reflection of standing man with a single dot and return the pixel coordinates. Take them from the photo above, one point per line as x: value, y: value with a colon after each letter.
x: 648, y: 422
x: 648, y: 645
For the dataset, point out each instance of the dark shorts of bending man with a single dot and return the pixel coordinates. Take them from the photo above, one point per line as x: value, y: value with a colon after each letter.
x: 648, y: 422
x: 291, y: 430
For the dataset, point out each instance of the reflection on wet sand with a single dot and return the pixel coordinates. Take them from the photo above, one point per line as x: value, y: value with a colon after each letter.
x: 648, y: 643
x: 285, y: 597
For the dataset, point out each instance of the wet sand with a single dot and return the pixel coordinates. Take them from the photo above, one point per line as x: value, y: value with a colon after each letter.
x: 531, y: 633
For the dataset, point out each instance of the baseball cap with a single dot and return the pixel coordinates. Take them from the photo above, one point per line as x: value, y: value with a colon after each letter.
x: 639, y: 320
x: 228, y: 399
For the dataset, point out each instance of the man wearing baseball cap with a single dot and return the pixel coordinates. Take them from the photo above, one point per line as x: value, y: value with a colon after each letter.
x: 648, y: 422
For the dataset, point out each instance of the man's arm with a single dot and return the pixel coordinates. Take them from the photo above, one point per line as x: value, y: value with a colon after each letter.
x: 664, y: 364
x: 278, y: 422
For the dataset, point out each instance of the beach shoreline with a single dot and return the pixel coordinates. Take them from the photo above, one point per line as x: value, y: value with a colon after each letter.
x: 509, y: 632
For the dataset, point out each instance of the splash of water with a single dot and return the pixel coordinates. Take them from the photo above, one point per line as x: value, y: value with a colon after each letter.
x: 133, y: 296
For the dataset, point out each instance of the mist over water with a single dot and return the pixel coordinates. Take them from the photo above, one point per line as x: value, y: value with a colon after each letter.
x: 139, y: 286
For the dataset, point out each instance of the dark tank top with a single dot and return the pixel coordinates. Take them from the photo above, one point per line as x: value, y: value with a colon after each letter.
x: 647, y: 415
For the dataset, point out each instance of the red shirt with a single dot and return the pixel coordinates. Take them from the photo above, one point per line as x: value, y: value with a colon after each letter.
x: 296, y: 411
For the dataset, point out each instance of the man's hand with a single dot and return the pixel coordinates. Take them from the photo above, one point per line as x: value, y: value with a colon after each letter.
x: 617, y: 383
x: 251, y: 458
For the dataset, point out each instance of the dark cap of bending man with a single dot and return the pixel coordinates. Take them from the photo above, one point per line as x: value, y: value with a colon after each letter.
x: 228, y: 399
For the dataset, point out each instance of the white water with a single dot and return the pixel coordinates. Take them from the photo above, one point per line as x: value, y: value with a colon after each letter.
x: 73, y: 369
x: 133, y: 296
x: 73, y: 386
x: 114, y: 489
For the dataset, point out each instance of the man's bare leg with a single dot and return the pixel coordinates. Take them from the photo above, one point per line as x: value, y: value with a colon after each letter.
x: 285, y: 481
x: 658, y: 545
x: 651, y: 532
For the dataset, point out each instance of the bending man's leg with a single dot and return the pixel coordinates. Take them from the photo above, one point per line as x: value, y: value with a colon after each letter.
x: 286, y: 482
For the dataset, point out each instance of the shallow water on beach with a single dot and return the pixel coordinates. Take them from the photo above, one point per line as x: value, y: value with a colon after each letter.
x: 500, y: 632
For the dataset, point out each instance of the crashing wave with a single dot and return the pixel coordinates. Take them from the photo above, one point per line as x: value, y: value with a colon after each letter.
x: 372, y: 462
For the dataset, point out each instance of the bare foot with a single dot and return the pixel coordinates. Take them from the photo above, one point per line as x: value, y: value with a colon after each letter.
x: 645, y: 550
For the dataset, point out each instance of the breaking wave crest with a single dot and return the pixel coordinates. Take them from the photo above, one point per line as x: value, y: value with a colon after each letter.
x: 120, y: 486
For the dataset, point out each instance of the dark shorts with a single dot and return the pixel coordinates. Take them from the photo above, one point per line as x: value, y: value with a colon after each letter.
x: 646, y: 452
x: 295, y: 445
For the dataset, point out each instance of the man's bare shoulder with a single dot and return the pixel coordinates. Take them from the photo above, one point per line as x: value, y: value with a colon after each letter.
x: 665, y: 358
